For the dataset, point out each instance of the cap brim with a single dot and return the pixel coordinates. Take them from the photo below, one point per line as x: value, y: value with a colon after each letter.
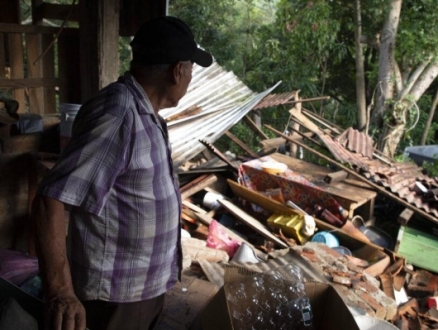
x: 202, y: 58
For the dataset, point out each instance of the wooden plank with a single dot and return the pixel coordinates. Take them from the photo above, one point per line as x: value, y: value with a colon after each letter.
x: 268, y: 204
x: 241, y: 144
x: 335, y: 177
x: 272, y: 143
x: 99, y: 45
x: 36, y: 29
x: 256, y: 129
x: 251, y: 222
x: 405, y: 216
x: 35, y: 70
x: 194, y: 187
x: 194, y: 207
x: 16, y: 58
x: 2, y: 56
x: 32, y: 82
x: 48, y: 62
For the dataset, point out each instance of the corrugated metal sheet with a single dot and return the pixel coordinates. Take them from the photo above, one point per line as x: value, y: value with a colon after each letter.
x: 356, y: 141
x: 221, y: 100
x: 399, y: 178
x: 275, y: 99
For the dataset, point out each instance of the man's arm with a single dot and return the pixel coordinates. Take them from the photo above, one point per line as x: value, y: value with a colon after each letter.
x: 63, y: 309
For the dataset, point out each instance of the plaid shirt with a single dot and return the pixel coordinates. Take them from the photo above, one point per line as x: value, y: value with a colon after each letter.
x: 117, y: 175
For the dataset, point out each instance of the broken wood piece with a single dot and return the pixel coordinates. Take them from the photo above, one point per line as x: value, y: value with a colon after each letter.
x: 318, y: 98
x: 241, y: 144
x: 219, y: 154
x: 387, y: 285
x: 253, y: 126
x: 193, y: 207
x: 251, y: 222
x: 197, y: 185
x: 335, y: 177
x: 405, y: 216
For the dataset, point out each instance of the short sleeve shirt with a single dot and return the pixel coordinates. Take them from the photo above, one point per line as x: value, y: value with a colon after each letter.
x: 117, y: 174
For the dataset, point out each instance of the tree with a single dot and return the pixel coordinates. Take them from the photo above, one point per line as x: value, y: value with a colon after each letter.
x: 405, y: 73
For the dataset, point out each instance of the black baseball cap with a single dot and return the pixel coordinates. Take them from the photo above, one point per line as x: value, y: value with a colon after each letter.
x: 167, y: 40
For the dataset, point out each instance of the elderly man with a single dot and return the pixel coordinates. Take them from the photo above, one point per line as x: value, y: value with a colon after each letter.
x: 116, y: 179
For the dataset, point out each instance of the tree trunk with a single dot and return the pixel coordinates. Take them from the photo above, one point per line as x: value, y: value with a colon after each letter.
x: 360, y: 72
x: 429, y: 119
x: 385, y: 86
x: 397, y: 114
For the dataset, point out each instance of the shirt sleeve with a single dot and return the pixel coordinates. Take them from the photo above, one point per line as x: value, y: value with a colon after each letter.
x: 97, y: 153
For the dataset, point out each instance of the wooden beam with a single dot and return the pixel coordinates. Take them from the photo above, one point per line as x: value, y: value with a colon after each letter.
x: 252, y: 125
x: 57, y: 11
x: 31, y: 82
x: 360, y: 177
x: 36, y: 29
x: 241, y: 144
x: 197, y: 185
x: 35, y: 70
x: 16, y: 58
x: 321, y: 98
x: 251, y: 222
x: 335, y: 177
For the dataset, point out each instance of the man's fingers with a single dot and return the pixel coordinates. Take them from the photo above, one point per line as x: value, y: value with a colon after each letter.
x: 54, y: 321
x: 68, y: 322
x: 80, y: 322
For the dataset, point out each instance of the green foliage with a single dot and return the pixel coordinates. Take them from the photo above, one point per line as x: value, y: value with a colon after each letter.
x: 431, y: 168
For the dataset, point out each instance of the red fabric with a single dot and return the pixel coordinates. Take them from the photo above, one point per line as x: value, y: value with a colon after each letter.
x: 293, y: 186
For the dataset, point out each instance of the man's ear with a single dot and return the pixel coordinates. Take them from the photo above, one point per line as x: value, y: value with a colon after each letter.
x: 178, y: 72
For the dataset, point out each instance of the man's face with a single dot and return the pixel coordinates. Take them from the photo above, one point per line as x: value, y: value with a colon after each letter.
x: 183, y: 77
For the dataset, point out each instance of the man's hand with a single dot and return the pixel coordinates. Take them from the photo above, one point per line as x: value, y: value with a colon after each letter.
x: 64, y: 312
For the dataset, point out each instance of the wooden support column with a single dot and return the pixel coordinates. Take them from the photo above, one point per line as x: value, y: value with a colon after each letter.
x: 99, y: 42
x: 296, y: 127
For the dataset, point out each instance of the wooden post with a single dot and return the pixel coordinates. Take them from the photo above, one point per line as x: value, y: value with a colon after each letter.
x: 99, y: 42
x: 296, y: 127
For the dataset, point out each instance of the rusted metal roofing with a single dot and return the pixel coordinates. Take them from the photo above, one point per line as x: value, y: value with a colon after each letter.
x: 356, y: 141
x: 215, y: 101
x: 401, y: 178
x: 272, y: 100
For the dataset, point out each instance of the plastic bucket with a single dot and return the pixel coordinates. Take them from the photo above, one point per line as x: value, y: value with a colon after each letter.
x: 327, y: 238
x: 68, y: 113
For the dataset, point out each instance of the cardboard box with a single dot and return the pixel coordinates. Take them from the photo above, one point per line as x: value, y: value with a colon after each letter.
x: 329, y: 311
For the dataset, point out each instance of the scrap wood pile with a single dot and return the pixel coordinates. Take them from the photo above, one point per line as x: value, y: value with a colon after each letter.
x: 251, y: 203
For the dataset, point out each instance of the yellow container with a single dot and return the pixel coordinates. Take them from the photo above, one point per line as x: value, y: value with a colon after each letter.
x: 290, y: 225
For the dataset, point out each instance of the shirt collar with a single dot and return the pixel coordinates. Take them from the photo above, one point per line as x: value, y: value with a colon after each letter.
x: 140, y: 97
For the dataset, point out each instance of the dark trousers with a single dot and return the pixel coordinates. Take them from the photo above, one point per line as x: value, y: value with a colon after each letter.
x: 141, y: 315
